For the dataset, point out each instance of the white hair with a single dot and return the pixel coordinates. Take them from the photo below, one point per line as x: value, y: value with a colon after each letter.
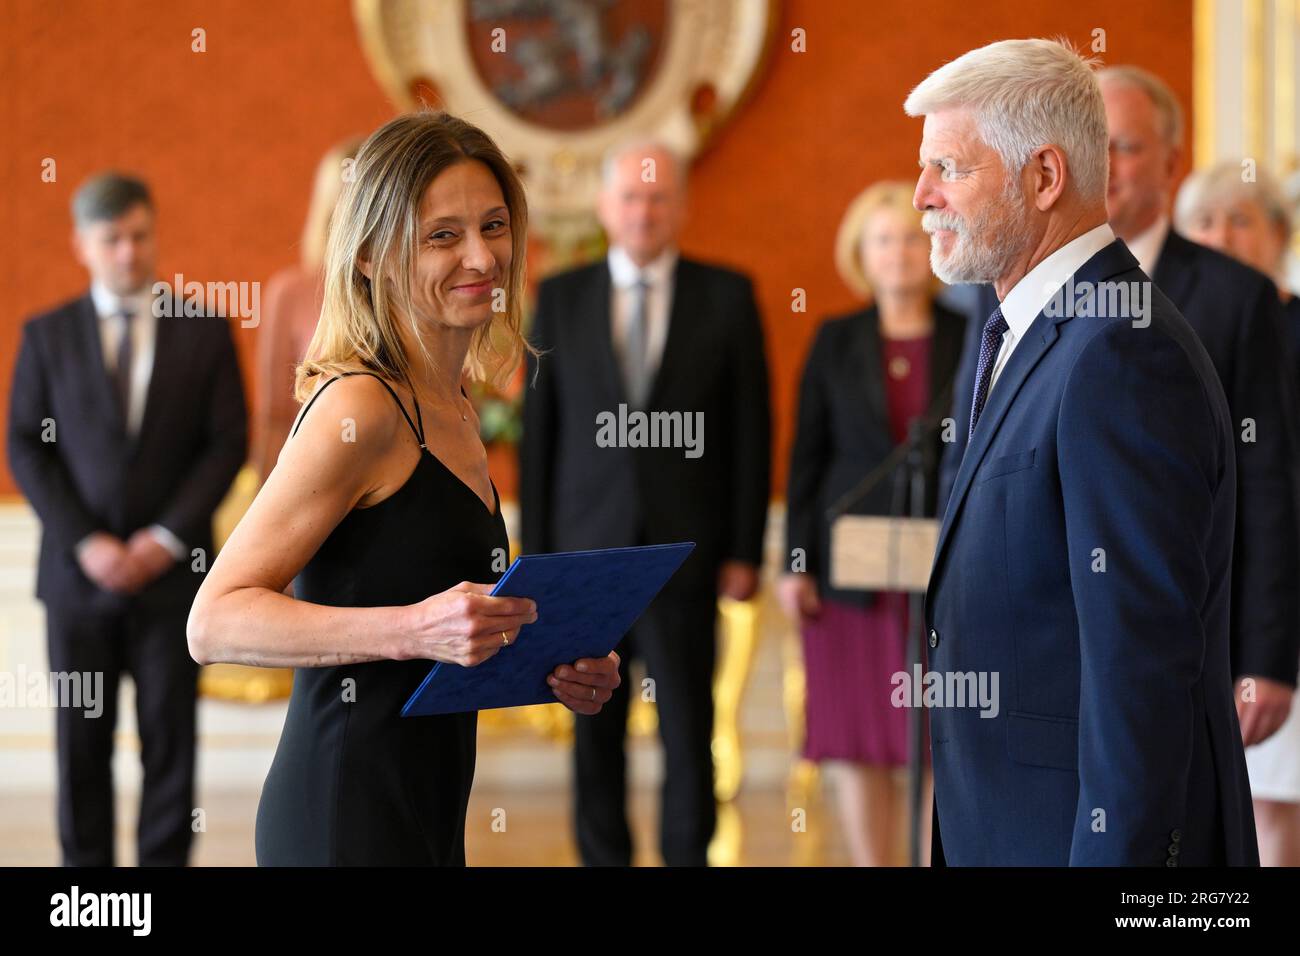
x: 1225, y: 183
x: 641, y: 146
x: 1025, y: 94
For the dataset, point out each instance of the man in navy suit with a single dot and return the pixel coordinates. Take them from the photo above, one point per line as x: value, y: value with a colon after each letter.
x: 1235, y: 312
x: 1084, y: 564
x: 127, y: 424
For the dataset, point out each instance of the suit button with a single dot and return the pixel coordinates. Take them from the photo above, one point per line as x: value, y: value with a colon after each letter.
x: 1175, y: 835
x: 1173, y: 849
x: 934, y: 638
x: 1172, y: 861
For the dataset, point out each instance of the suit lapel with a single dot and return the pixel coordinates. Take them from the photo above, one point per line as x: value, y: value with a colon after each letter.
x: 166, y: 364
x: 598, y: 306
x: 1040, y: 337
x: 948, y: 335
x: 866, y: 372
x: 92, y: 349
x: 686, y: 294
x: 1172, y: 276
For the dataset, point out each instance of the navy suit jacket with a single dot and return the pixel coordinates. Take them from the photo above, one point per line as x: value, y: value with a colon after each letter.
x: 1236, y: 313
x: 1085, y: 559
x: 95, y: 477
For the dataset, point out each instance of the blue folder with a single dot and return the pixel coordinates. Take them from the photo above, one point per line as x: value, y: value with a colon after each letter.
x: 586, y: 602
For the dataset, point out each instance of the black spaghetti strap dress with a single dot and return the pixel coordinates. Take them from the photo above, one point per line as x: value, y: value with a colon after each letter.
x: 353, y: 782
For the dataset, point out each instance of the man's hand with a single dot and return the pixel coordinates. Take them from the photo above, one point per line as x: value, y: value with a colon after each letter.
x: 587, y: 684
x: 1262, y: 707
x: 108, y: 562
x: 737, y: 580
x: 152, y: 560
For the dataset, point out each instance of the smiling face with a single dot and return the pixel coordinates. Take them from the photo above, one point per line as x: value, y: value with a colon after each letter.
x: 1142, y: 163
x: 975, y: 214
x: 463, y: 248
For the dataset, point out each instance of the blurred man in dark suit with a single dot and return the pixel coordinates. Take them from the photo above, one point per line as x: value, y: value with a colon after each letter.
x: 1236, y: 313
x: 646, y: 331
x: 126, y: 428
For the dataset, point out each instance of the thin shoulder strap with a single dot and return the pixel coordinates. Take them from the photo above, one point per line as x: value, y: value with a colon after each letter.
x: 418, y: 431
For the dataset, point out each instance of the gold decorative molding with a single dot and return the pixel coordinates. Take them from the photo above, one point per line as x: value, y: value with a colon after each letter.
x: 1254, y: 112
x: 508, y: 66
x: 1286, y: 30
x: 1203, y: 85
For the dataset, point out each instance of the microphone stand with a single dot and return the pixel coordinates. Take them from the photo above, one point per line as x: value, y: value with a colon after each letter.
x: 909, y: 478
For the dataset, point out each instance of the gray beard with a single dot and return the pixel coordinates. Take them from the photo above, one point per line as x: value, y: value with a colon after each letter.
x: 971, y: 261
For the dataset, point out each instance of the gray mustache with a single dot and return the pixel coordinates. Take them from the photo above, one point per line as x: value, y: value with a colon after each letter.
x: 933, y: 221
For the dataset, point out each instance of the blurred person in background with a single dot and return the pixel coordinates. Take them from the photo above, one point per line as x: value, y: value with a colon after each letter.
x: 127, y: 424
x: 651, y: 331
x: 290, y: 311
x: 1251, y: 221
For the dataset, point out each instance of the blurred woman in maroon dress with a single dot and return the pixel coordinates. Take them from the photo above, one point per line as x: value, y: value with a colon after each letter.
x: 867, y: 377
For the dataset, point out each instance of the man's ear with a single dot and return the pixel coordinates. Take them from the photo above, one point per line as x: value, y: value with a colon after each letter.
x: 1049, y: 167
x: 74, y: 239
x: 1174, y: 162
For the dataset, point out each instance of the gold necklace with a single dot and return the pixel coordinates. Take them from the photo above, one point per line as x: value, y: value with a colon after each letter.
x: 464, y: 416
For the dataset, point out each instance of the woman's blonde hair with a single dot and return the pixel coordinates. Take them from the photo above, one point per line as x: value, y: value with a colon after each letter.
x: 890, y: 194
x: 376, y: 220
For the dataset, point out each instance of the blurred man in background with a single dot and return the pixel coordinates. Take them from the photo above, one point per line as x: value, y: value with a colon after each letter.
x: 127, y: 424
x: 649, y: 331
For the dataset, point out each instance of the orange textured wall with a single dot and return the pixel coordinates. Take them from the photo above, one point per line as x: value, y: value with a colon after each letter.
x: 229, y: 138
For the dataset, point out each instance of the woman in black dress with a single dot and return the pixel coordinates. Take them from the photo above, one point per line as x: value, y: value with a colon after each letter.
x: 381, y: 512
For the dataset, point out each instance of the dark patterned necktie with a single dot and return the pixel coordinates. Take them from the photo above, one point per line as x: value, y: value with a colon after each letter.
x: 122, y: 371
x: 990, y: 343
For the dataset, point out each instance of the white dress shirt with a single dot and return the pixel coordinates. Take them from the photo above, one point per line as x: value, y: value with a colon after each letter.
x: 1146, y: 247
x: 624, y: 274
x: 144, y: 332
x: 1031, y: 294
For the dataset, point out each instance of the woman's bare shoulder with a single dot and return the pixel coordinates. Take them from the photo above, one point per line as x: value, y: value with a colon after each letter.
x: 352, y: 416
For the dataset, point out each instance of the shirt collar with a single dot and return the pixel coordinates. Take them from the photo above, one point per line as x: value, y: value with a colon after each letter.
x: 1146, y: 247
x: 1031, y: 294
x: 624, y: 272
x: 108, y: 304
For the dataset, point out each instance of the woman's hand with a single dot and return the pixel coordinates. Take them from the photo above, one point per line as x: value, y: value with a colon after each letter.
x: 797, y: 594
x: 587, y: 684
x: 463, y: 625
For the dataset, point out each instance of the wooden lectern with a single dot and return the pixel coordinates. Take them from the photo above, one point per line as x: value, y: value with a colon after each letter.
x: 875, y: 553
